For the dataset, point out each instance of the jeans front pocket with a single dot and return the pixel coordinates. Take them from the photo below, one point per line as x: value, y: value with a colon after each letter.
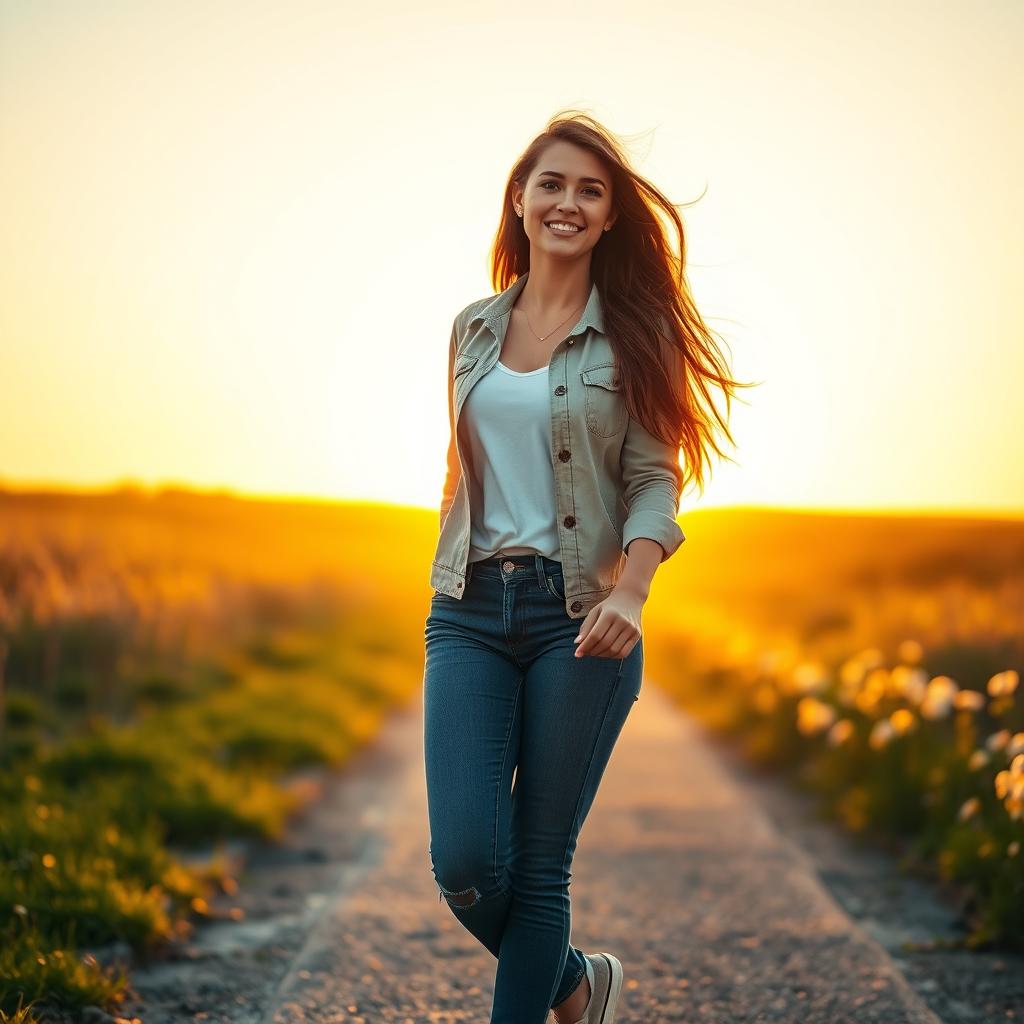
x: 555, y: 584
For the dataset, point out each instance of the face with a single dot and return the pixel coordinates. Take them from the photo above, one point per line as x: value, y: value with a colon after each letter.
x: 568, y: 185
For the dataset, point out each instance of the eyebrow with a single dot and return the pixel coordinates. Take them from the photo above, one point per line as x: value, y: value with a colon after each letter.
x: 556, y: 174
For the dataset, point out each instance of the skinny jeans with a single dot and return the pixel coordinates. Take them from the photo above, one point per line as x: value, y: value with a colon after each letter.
x: 517, y: 734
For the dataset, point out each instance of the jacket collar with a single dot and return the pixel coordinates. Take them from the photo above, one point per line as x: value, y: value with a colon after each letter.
x: 500, y: 306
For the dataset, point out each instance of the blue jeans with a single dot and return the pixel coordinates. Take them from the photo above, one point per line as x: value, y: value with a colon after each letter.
x: 504, y: 693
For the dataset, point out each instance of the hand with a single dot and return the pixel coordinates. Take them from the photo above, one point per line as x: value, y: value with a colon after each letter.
x: 612, y: 627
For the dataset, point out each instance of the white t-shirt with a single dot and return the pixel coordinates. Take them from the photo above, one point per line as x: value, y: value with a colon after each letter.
x: 512, y: 487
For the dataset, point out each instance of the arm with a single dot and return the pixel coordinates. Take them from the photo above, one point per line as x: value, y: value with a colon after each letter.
x: 453, y: 469
x: 652, y: 481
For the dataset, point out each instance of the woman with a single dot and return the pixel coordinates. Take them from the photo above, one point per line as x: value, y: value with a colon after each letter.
x: 569, y: 395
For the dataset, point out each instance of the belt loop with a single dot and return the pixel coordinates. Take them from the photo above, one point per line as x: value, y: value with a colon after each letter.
x: 538, y: 560
x: 469, y: 572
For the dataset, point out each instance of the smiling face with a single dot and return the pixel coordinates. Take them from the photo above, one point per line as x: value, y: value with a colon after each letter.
x: 566, y: 202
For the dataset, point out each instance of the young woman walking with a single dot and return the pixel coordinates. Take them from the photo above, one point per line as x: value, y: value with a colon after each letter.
x: 570, y: 393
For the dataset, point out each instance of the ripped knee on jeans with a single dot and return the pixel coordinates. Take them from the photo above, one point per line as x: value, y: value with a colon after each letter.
x: 465, y: 898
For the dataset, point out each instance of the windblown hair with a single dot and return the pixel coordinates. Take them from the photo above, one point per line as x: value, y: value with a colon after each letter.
x: 666, y: 356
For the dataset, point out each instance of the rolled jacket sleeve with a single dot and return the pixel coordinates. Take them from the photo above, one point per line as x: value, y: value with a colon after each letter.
x: 652, y: 483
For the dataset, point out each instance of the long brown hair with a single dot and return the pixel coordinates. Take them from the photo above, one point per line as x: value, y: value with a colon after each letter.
x: 667, y: 357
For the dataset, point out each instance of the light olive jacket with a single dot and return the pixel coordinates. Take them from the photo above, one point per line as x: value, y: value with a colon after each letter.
x: 614, y: 481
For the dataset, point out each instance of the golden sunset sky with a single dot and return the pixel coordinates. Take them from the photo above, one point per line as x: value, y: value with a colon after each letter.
x: 236, y: 234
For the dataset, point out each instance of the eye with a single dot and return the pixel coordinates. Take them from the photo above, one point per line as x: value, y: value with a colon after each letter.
x: 589, y: 188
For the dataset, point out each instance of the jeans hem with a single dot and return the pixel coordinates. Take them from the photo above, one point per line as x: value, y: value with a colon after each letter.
x: 575, y: 985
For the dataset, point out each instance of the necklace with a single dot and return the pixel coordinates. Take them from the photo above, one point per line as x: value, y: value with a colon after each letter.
x: 548, y: 335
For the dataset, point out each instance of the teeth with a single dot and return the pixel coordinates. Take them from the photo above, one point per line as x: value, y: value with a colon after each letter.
x: 561, y: 226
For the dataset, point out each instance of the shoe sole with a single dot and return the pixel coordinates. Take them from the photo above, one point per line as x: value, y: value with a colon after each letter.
x: 611, y: 998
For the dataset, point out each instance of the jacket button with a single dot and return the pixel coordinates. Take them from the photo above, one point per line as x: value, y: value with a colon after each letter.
x: 569, y: 521
x: 564, y: 455
x: 577, y: 606
x: 560, y: 390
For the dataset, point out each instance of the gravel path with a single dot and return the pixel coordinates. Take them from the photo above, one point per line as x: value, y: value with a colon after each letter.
x: 680, y: 870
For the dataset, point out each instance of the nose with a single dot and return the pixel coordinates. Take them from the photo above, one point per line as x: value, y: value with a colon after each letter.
x: 568, y: 203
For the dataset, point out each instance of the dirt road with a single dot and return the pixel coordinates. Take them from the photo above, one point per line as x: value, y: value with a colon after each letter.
x: 716, y: 915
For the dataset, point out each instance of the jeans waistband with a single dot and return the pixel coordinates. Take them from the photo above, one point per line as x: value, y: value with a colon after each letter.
x: 511, y: 566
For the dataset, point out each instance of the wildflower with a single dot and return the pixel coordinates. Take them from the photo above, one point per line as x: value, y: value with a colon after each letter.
x: 49, y: 861
x: 840, y: 732
x: 938, y: 698
x: 902, y: 721
x: 814, y: 715
x: 810, y: 677
x: 969, y: 808
x: 968, y: 700
x: 881, y: 733
x: 911, y: 683
x: 1002, y: 684
x: 851, y: 673
x: 872, y: 691
x: 978, y: 759
x: 998, y: 740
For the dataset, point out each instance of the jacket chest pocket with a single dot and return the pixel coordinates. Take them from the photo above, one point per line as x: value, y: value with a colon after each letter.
x: 604, y: 404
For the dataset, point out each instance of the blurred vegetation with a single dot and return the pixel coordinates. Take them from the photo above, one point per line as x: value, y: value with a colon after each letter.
x: 171, y: 663
x: 875, y: 661
x: 169, y: 667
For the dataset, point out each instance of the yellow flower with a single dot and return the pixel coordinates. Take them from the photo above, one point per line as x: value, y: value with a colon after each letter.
x: 813, y: 715
x: 968, y: 700
x: 810, y: 677
x: 1003, y: 683
x: 902, y: 721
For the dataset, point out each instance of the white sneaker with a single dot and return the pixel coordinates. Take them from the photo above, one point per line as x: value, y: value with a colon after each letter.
x: 604, y: 972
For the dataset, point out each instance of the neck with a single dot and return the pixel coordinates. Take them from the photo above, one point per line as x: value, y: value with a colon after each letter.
x: 555, y: 287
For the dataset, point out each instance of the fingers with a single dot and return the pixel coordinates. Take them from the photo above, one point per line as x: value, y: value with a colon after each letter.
x: 608, y: 639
